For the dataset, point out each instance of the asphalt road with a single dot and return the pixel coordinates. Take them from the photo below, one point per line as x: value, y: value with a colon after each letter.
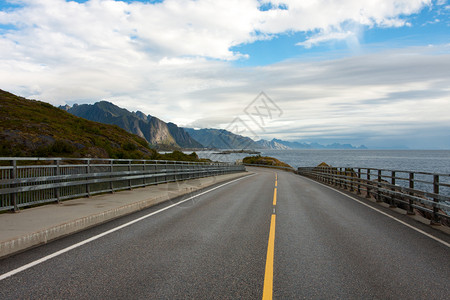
x: 326, y: 246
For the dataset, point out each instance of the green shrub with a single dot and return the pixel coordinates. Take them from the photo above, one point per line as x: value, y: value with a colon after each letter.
x: 58, y: 147
x: 129, y: 146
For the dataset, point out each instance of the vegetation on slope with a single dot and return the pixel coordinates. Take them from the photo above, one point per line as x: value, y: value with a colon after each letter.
x: 38, y: 129
x: 180, y: 156
x: 35, y: 128
x: 265, y: 161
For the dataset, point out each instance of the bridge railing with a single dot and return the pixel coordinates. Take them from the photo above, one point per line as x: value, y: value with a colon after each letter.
x: 427, y: 193
x: 31, y: 181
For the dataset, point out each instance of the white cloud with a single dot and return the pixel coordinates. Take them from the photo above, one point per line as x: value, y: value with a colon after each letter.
x: 331, y: 16
x: 325, y: 37
x: 54, y: 29
x: 174, y: 56
x: 391, y: 94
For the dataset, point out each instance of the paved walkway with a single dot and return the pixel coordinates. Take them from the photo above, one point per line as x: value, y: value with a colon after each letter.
x: 34, y: 226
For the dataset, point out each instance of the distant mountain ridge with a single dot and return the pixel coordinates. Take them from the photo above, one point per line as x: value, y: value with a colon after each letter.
x: 282, y: 145
x: 37, y: 128
x: 152, y: 129
x: 221, y: 139
x: 160, y: 133
x: 273, y: 144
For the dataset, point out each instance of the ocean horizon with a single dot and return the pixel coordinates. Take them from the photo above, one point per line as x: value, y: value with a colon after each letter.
x: 434, y: 161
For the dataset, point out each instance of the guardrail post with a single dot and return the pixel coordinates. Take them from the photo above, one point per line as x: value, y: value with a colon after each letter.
x: 347, y: 180
x: 378, y: 187
x: 335, y: 177
x: 344, y: 183
x: 111, y: 182
x: 359, y: 181
x: 392, y: 201
x: 57, y: 173
x: 144, y: 179
x: 13, y: 175
x: 368, y: 184
x: 344, y: 178
x: 324, y: 172
x: 166, y: 172
x: 435, y: 218
x: 338, y: 173
x: 332, y: 178
x: 410, y: 210
x: 88, y: 170
x: 129, y: 170
x: 322, y: 175
x: 351, y: 181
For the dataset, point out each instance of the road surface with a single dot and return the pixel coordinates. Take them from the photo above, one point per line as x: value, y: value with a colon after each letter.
x: 241, y: 240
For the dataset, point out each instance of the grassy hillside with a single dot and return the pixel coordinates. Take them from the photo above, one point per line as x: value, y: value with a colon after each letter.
x: 35, y: 128
x: 180, y: 156
x: 265, y: 160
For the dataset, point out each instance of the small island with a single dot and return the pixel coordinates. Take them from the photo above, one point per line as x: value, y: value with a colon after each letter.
x: 238, y: 151
x: 265, y: 161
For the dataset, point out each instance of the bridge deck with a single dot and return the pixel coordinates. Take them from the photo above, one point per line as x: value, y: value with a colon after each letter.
x: 33, y: 226
x: 242, y: 240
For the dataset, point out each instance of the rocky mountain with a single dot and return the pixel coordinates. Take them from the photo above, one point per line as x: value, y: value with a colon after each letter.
x: 273, y: 144
x: 221, y: 139
x: 182, y: 137
x: 280, y: 144
x: 35, y: 128
x: 152, y: 129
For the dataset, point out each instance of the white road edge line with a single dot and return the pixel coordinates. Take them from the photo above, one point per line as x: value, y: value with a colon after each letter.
x: 79, y: 244
x: 383, y: 213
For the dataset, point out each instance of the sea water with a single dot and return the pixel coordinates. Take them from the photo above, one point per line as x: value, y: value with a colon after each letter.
x: 410, y: 160
x: 432, y: 161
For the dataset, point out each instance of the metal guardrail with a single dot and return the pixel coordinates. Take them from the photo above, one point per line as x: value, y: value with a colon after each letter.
x: 427, y: 192
x: 30, y: 181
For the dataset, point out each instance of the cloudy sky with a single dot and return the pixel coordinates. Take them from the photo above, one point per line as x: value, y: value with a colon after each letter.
x: 373, y: 72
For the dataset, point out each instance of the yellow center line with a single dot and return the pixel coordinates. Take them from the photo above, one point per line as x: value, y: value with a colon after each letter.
x: 268, y: 276
x: 274, y: 196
